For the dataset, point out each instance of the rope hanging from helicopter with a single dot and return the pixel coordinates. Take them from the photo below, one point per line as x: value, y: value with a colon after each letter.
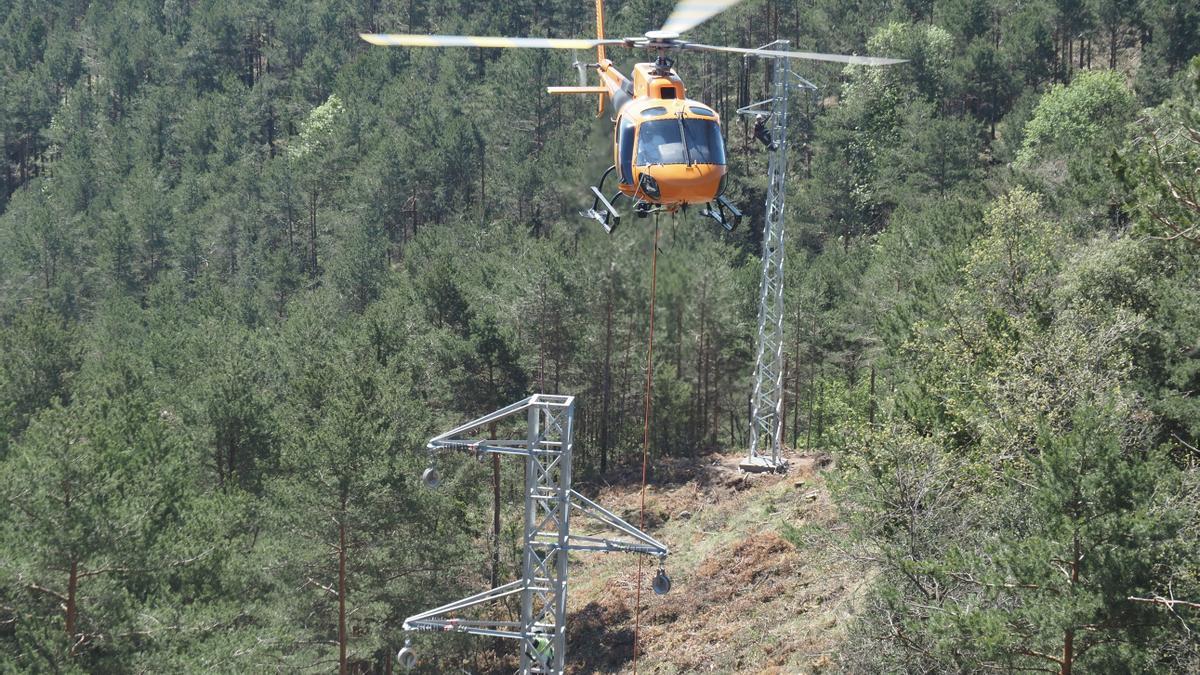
x: 637, y: 622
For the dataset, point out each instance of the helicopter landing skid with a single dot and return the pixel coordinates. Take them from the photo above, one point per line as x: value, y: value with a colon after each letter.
x: 608, y: 218
x: 724, y: 212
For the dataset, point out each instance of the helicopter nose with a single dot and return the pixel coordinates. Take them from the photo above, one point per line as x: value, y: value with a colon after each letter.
x: 687, y: 184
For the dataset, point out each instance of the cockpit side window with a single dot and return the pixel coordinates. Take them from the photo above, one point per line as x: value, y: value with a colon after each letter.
x: 625, y: 129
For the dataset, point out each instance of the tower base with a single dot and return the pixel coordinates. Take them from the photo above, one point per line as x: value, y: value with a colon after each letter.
x: 763, y: 465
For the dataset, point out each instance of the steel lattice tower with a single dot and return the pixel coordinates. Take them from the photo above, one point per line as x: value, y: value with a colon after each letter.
x: 766, y: 401
x: 550, y: 506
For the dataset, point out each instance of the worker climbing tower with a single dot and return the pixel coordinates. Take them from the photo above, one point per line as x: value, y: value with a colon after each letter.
x: 766, y: 400
x: 551, y: 507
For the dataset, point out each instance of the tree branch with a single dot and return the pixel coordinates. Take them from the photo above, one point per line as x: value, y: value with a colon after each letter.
x: 47, y: 591
x: 314, y: 582
x: 1167, y: 602
x: 173, y: 563
x: 1030, y: 652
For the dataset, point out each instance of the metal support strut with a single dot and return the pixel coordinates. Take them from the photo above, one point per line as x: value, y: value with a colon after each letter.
x: 724, y: 212
x: 550, y: 502
x: 608, y: 218
x: 766, y: 401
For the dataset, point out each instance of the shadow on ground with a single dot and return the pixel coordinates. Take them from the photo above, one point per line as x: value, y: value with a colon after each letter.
x: 601, y: 639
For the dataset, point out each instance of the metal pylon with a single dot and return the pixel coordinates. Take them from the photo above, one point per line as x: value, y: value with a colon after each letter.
x: 550, y: 503
x: 766, y: 400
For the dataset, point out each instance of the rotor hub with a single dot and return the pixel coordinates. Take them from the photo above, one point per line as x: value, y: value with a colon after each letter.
x: 662, y: 36
x: 660, y: 40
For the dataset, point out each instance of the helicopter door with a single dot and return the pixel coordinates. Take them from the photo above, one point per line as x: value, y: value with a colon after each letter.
x: 625, y: 129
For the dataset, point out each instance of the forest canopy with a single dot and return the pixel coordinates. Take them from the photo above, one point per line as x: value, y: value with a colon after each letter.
x: 250, y: 264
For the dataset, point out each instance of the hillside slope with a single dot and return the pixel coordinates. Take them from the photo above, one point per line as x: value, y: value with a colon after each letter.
x: 749, y: 594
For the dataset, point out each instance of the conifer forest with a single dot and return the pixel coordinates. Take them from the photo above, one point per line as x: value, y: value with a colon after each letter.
x: 251, y: 264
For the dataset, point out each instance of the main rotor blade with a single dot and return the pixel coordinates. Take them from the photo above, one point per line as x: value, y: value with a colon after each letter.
x: 402, y: 40
x: 691, y: 13
x: 809, y: 56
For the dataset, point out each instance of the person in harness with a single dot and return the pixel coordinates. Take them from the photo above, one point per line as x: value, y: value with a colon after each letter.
x: 543, y: 649
x: 761, y: 132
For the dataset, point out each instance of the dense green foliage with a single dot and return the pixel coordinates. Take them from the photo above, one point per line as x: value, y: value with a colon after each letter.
x: 248, y: 264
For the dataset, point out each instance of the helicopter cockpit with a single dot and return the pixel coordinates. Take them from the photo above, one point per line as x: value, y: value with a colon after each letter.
x: 669, y: 151
x: 677, y: 133
x: 682, y: 140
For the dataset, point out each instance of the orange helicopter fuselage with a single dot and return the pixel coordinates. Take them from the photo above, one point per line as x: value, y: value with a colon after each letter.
x: 667, y: 148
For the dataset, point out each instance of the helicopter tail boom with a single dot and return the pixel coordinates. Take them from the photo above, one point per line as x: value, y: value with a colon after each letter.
x: 612, y: 82
x: 577, y: 90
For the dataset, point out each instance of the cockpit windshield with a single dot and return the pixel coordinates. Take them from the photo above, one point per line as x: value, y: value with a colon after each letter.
x: 663, y: 142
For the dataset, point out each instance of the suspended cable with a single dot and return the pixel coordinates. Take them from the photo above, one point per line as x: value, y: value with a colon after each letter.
x: 637, y: 621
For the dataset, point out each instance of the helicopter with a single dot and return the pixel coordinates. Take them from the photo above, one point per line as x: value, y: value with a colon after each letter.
x: 668, y: 151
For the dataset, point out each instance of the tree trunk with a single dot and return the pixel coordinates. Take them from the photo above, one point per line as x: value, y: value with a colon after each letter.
x: 1068, y: 656
x: 871, y: 404
x: 623, y: 401
x: 715, y: 397
x: 495, y: 511
x: 542, y: 337
x: 72, y: 608
x: 606, y: 398
x: 414, y: 211
x: 796, y: 384
x: 679, y: 340
x: 1073, y: 53
x: 7, y: 169
x: 271, y: 131
x: 342, y: 589
x: 821, y: 414
x: 732, y: 437
x: 783, y: 400
x: 700, y: 415
x: 812, y: 395
x: 1068, y: 653
x: 312, y: 235
x: 482, y: 179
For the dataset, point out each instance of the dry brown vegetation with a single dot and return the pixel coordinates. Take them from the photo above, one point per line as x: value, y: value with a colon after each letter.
x: 756, y: 588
